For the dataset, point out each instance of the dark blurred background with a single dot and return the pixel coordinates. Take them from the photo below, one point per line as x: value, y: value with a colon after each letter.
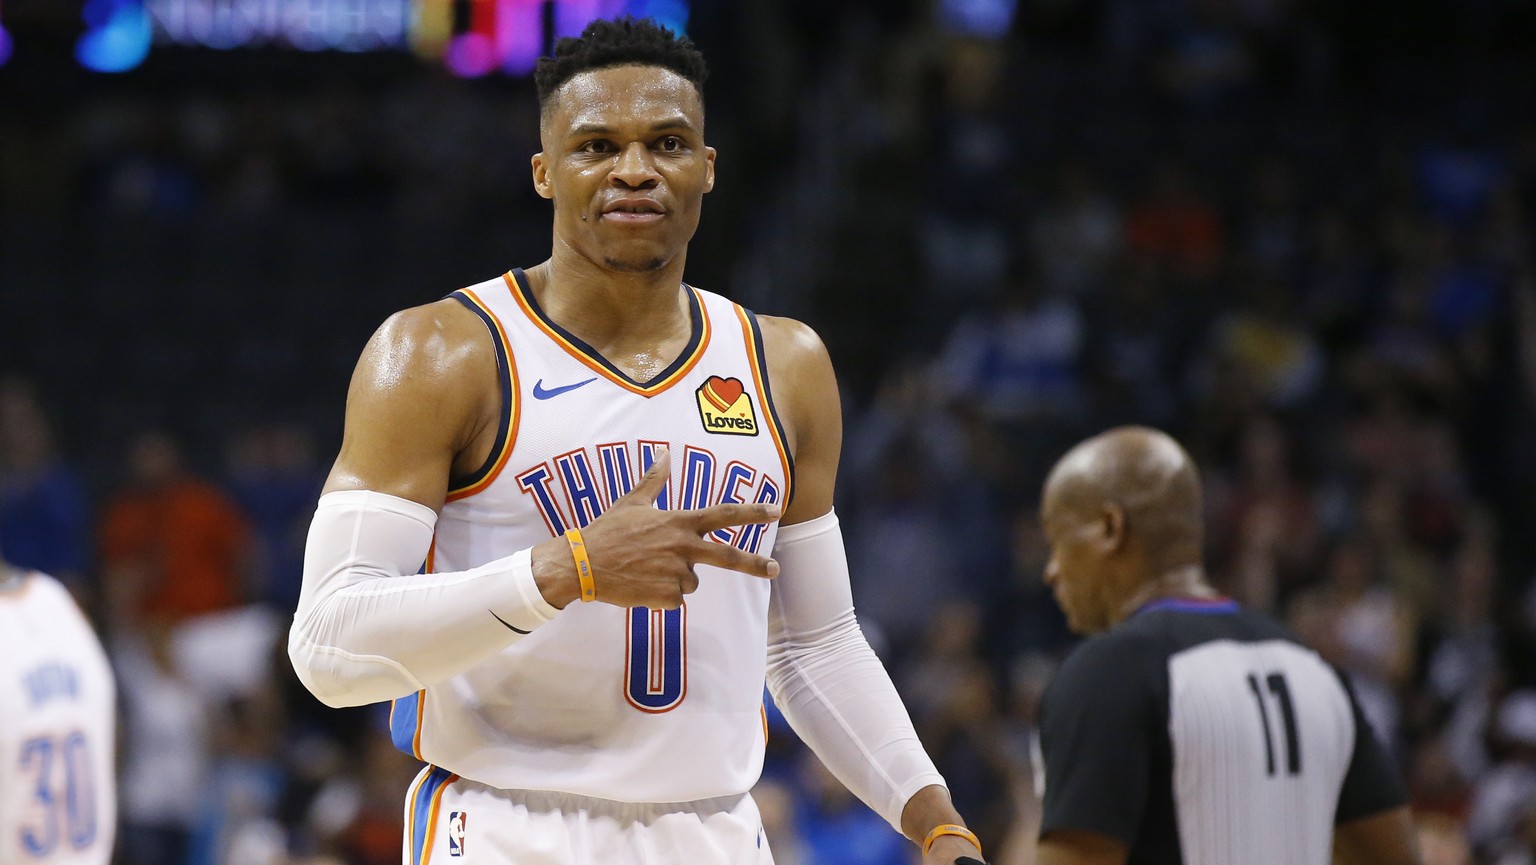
x: 1297, y: 234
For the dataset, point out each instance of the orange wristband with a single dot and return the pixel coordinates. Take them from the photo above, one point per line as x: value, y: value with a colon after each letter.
x: 583, y: 565
x: 949, y: 829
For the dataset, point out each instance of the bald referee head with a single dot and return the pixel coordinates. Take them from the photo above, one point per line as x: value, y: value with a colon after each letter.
x: 1122, y: 511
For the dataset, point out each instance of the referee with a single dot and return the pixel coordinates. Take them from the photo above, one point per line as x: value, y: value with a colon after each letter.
x: 1189, y: 730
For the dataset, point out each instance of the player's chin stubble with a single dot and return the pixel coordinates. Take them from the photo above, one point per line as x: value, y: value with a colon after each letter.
x: 647, y: 266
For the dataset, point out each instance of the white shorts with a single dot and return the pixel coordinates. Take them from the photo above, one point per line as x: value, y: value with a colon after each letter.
x: 452, y: 820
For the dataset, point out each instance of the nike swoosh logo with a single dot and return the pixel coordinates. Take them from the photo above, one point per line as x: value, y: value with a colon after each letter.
x: 509, y: 627
x: 539, y: 391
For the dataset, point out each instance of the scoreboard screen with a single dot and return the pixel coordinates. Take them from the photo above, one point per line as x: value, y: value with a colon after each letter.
x: 471, y: 37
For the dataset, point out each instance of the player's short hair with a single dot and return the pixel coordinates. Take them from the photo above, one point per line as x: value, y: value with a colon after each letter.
x: 618, y: 42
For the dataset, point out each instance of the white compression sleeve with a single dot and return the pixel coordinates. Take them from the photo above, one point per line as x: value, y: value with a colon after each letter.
x: 370, y: 628
x: 828, y: 682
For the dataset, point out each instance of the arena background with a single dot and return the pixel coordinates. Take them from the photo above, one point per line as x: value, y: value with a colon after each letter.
x: 1297, y: 234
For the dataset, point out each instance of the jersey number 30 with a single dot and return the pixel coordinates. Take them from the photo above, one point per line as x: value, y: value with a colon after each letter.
x: 64, y: 802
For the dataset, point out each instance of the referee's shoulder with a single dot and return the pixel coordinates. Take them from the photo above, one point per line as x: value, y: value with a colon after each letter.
x: 1122, y: 648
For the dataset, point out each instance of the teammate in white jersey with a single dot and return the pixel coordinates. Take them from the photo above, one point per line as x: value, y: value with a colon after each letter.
x: 583, y: 511
x: 1189, y: 730
x: 58, y: 799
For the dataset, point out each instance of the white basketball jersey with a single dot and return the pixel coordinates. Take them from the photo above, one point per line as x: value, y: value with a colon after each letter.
x: 58, y: 803
x: 1262, y: 737
x: 634, y: 705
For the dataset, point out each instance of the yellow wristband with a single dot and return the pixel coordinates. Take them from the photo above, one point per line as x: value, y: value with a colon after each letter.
x: 583, y: 565
x: 949, y: 829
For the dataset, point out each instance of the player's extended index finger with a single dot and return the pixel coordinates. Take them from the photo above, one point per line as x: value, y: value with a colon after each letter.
x: 727, y: 515
x: 654, y: 480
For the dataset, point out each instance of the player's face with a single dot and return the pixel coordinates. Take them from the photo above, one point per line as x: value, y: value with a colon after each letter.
x: 1076, y: 572
x: 625, y: 163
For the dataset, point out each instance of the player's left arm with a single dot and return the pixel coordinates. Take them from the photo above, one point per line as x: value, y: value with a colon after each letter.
x: 824, y: 677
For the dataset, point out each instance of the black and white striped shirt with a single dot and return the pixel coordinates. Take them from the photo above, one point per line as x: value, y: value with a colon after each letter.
x: 1196, y: 732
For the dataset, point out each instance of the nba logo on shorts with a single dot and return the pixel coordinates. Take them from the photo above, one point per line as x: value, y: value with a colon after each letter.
x: 456, y: 822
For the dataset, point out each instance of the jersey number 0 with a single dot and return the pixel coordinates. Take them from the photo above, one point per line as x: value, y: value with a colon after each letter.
x: 656, y: 668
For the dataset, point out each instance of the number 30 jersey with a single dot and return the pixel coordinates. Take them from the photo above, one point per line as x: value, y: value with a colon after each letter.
x: 629, y: 704
x: 1199, y: 733
x: 58, y: 801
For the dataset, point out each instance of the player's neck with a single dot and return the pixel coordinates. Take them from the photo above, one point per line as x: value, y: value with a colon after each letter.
x: 602, y: 306
x: 1183, y: 581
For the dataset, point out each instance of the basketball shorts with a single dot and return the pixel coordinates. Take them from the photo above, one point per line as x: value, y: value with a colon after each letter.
x: 451, y: 820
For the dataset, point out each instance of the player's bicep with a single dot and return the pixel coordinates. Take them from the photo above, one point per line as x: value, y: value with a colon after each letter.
x: 806, y: 397
x: 415, y: 400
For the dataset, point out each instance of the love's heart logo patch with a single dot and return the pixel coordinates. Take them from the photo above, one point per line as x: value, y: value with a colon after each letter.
x: 725, y: 408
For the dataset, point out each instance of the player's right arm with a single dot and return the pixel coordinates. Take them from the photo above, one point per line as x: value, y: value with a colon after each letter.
x: 422, y: 393
x: 369, y: 627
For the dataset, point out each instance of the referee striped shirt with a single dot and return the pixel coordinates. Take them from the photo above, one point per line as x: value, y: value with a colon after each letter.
x: 1196, y: 732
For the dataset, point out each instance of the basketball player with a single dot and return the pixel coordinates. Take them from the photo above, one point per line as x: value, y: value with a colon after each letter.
x: 591, y: 462
x: 1189, y: 730
x: 58, y: 801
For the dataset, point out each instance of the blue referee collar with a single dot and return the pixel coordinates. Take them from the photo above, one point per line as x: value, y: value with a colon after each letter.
x: 1207, y: 606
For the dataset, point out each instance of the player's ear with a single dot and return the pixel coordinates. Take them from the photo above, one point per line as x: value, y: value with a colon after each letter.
x: 541, y: 181
x: 709, y: 168
x: 1112, y: 523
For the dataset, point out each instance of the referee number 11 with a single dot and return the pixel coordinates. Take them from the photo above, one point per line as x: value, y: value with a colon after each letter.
x: 1279, y: 693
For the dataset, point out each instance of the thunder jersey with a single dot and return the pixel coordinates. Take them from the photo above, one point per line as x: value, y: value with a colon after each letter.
x: 630, y: 704
x: 58, y: 802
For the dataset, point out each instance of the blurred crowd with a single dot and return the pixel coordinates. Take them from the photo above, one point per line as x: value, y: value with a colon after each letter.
x: 1298, y: 237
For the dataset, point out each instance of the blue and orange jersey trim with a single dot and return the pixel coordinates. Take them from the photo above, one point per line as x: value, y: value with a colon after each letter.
x: 405, y: 713
x: 422, y: 804
x: 511, y: 405
x: 758, y: 360
x: 698, y: 340
x: 405, y: 718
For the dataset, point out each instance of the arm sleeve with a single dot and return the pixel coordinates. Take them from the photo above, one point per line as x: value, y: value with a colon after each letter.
x: 827, y: 681
x: 370, y: 628
x: 1371, y: 784
x: 1095, y: 742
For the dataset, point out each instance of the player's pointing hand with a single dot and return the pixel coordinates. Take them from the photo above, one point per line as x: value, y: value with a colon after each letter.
x: 642, y: 556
